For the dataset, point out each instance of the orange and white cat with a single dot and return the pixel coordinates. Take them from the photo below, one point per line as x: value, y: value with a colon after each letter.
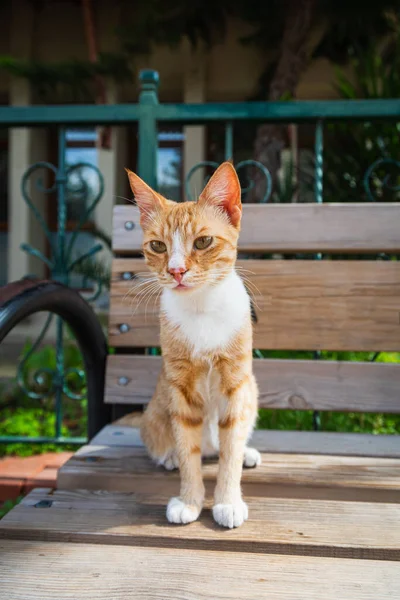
x: 205, y: 402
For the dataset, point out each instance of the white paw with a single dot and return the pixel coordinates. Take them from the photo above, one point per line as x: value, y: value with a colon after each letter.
x: 230, y: 515
x: 169, y: 461
x: 252, y: 458
x: 179, y: 512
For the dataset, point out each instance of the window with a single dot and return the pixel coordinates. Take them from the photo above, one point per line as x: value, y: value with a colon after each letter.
x: 83, y: 184
x: 170, y: 164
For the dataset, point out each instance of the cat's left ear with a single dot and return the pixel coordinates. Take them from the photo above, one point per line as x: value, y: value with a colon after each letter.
x: 148, y: 201
x: 223, y: 191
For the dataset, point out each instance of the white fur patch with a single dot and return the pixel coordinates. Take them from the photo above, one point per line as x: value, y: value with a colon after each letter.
x: 208, y: 318
x: 177, y: 258
x: 252, y: 458
x: 169, y: 461
x: 210, y: 437
x: 181, y: 513
x: 230, y: 515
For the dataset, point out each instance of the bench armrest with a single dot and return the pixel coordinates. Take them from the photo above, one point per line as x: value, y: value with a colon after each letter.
x: 20, y: 299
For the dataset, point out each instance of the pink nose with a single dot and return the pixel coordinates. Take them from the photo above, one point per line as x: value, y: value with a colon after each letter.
x: 178, y: 273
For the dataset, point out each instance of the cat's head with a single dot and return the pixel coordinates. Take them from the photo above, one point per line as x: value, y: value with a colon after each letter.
x: 191, y: 244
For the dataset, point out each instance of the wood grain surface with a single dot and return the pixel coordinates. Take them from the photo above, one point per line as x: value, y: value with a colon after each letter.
x: 300, y: 305
x: 346, y: 228
x: 275, y: 526
x: 280, y: 442
x: 283, y: 384
x: 49, y: 570
x: 128, y: 469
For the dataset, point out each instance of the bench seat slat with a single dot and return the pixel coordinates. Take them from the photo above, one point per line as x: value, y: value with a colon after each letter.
x: 283, y: 384
x: 345, y: 228
x: 128, y: 468
x: 280, y: 442
x: 300, y: 305
x: 284, y: 526
x: 46, y: 570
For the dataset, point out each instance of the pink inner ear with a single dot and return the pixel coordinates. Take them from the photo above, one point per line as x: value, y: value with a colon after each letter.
x: 235, y: 214
x: 223, y: 190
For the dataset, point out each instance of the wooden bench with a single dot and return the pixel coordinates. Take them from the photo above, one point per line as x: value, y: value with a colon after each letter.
x: 324, y: 506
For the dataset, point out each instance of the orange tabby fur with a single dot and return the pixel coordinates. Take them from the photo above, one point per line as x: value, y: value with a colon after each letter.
x: 199, y: 386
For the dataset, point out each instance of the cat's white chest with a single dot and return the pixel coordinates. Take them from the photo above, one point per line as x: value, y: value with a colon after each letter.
x: 209, y: 319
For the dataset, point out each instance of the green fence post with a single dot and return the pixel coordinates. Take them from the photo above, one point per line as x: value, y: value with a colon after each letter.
x: 147, y: 142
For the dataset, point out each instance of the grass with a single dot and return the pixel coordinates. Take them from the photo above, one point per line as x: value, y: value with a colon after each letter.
x: 8, y: 505
x: 299, y: 420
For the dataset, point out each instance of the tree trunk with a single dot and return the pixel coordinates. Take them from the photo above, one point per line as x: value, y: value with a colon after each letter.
x: 294, y: 57
x: 87, y: 8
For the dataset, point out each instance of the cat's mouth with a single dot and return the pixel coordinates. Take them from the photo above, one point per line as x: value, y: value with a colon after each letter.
x: 182, y: 286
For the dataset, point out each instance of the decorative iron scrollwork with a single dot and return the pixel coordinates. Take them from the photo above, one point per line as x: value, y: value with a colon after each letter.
x: 241, y: 165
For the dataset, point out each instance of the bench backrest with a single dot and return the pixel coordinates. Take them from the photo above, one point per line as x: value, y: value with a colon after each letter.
x: 300, y: 303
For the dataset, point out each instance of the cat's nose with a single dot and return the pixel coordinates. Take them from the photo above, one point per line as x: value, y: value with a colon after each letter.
x: 178, y: 273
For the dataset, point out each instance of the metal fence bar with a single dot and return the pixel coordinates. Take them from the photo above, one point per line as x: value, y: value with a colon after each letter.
x: 118, y: 114
x: 319, y: 188
x: 147, y: 150
x: 319, y: 162
x: 229, y: 140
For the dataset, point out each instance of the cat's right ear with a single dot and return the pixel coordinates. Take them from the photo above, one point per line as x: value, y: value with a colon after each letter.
x: 149, y: 202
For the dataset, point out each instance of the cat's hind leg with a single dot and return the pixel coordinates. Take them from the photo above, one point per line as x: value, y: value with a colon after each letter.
x: 156, y: 434
x: 252, y: 458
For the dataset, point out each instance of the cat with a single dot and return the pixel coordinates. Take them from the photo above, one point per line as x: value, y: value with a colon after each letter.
x: 205, y: 402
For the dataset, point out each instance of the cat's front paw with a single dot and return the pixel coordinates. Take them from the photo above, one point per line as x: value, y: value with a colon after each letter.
x: 179, y: 512
x: 252, y: 458
x: 230, y: 515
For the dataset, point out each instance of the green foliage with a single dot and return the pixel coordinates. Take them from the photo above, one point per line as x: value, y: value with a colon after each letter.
x: 32, y: 422
x: 9, y: 505
x: 23, y: 416
x: 72, y: 79
x: 351, y: 148
x: 94, y: 270
x: 330, y: 421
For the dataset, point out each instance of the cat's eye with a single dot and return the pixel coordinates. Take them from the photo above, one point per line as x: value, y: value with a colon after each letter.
x: 158, y: 246
x: 203, y: 242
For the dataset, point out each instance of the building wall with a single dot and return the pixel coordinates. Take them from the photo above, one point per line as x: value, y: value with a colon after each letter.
x: 232, y: 69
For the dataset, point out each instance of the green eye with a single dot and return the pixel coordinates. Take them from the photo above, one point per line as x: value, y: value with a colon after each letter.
x: 158, y: 247
x: 203, y: 242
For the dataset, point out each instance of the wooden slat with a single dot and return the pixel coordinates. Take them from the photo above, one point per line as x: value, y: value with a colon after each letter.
x: 275, y: 526
x: 128, y: 469
x: 282, y: 442
x: 361, y: 228
x: 284, y: 384
x: 48, y: 570
x: 302, y: 305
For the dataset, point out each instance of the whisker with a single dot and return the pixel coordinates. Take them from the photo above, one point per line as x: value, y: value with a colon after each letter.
x: 147, y: 293
x: 137, y: 287
x: 148, y: 300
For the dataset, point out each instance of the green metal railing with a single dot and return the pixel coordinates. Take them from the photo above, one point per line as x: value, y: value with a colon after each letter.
x: 149, y: 114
